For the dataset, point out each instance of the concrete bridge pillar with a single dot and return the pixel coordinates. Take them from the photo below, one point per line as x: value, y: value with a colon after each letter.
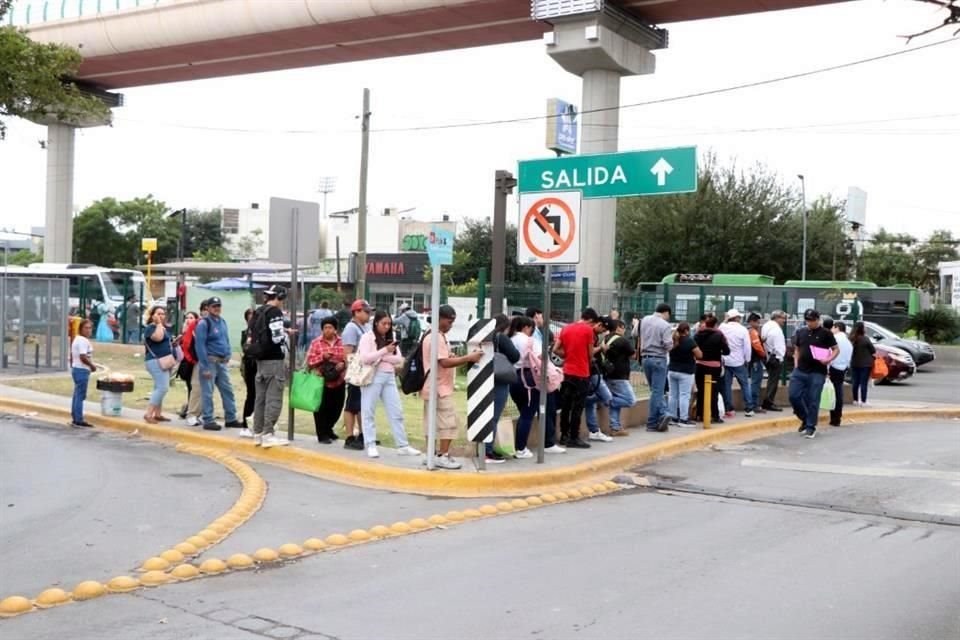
x: 601, y: 47
x: 58, y: 236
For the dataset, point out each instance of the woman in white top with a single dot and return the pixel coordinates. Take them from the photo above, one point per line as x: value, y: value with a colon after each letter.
x: 379, y: 348
x: 81, y: 364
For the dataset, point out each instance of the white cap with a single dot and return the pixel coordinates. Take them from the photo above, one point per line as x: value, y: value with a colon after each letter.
x: 732, y: 313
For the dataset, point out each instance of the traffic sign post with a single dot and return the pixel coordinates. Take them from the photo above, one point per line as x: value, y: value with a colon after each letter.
x: 440, y: 252
x: 614, y: 175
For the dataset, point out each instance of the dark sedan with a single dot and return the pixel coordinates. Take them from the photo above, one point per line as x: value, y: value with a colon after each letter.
x: 920, y: 351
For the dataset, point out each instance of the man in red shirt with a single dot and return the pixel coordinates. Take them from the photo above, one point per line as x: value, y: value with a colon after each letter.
x: 576, y: 346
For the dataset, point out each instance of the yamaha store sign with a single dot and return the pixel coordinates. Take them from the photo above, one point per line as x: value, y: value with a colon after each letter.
x: 394, y: 278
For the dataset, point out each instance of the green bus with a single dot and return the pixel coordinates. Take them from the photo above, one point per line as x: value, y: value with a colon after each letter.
x: 692, y: 294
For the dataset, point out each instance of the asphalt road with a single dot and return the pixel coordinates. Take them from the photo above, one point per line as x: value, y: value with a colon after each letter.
x: 687, y: 563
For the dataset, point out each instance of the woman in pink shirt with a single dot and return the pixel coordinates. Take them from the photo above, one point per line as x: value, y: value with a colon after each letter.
x: 379, y: 348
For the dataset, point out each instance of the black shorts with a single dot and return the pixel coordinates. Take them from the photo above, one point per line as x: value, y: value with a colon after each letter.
x: 353, y: 400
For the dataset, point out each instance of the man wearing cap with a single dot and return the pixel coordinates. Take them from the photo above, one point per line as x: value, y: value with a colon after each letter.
x: 735, y: 364
x: 448, y: 424
x: 268, y: 332
x: 352, y: 332
x: 212, y: 344
x: 813, y: 348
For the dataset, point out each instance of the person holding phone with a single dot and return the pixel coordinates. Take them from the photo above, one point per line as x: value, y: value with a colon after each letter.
x: 378, y: 348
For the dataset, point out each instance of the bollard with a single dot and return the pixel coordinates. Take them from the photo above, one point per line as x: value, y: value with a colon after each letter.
x: 707, y: 400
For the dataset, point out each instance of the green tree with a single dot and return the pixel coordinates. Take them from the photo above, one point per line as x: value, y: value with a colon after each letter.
x: 202, y: 231
x: 736, y: 222
x: 108, y: 232
x: 473, y: 251
x: 213, y: 254
x: 33, y: 83
x: 248, y: 246
x: 900, y: 258
x: 23, y: 258
x: 319, y: 293
x: 941, y: 246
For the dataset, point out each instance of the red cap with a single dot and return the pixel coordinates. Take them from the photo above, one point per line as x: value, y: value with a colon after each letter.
x: 360, y: 305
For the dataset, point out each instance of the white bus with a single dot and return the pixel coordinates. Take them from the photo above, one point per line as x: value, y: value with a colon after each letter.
x: 97, y: 285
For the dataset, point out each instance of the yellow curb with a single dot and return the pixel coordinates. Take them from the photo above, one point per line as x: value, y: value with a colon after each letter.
x: 378, y: 476
x: 51, y: 598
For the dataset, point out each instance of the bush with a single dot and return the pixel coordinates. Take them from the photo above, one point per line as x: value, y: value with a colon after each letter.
x: 939, y: 324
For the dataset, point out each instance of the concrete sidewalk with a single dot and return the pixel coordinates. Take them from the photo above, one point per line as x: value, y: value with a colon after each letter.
x: 407, y: 473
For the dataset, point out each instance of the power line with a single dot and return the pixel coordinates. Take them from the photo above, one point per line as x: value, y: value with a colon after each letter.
x: 686, y: 96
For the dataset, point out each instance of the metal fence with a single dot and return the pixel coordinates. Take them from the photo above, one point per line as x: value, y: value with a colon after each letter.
x: 34, y: 331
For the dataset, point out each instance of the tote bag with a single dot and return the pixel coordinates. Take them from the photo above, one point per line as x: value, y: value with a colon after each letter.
x: 306, y: 391
x: 359, y: 374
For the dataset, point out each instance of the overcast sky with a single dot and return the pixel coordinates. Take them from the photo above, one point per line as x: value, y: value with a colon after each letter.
x: 890, y: 127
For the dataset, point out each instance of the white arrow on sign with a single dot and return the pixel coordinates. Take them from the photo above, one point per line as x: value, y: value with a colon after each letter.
x: 661, y: 170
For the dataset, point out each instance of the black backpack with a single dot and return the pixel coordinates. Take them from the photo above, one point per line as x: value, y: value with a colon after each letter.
x: 413, y: 374
x: 254, y: 347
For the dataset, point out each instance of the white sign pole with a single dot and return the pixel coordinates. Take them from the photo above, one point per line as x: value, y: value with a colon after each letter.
x: 433, y: 367
x: 544, y: 359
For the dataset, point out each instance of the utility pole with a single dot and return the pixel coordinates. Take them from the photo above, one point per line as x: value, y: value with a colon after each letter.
x: 803, y: 209
x: 504, y: 182
x: 361, y: 286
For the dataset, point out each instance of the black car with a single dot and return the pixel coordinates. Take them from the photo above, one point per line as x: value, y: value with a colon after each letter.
x: 920, y: 351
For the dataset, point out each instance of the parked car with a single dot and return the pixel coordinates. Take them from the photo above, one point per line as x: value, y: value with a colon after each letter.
x: 920, y: 351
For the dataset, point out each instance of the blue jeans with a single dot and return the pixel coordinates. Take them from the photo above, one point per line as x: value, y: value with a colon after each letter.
x: 601, y: 395
x: 805, y: 391
x: 740, y: 373
x: 622, y: 397
x: 81, y: 377
x: 133, y: 336
x: 161, y: 382
x: 756, y: 370
x: 680, y: 386
x: 527, y: 399
x: 383, y: 387
x: 220, y: 378
x: 860, y: 381
x: 501, y: 393
x: 655, y: 370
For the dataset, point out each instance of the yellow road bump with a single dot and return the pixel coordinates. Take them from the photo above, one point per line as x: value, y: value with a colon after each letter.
x: 337, y: 540
x: 534, y: 501
x: 186, y: 549
x: 610, y: 484
x: 359, y: 535
x: 155, y: 564
x: 185, y: 572
x: 314, y: 544
x: 437, y: 519
x: 587, y: 491
x: 400, y: 528
x: 290, y: 550
x: 455, y: 516
x: 504, y: 507
x: 379, y: 531
x: 601, y: 488
x: 209, y: 535
x: 561, y: 495
x: 472, y: 514
x: 213, y: 566
x: 14, y: 606
x: 198, y: 542
x: 88, y: 590
x: 574, y: 494
x: 519, y: 503
x: 52, y: 598
x: 418, y: 524
x: 488, y: 510
x: 122, y: 584
x: 150, y: 579
x: 172, y: 556
x: 240, y: 561
x: 265, y: 554
x: 548, y: 498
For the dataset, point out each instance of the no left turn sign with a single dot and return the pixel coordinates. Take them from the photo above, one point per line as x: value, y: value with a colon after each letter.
x: 549, y: 228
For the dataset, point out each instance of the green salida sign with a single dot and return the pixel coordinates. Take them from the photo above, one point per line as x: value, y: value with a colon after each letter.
x: 613, y: 175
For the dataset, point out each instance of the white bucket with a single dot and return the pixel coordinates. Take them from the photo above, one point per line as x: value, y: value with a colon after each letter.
x: 111, y: 403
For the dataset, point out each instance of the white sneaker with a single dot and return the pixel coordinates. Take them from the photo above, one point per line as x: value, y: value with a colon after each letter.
x: 446, y: 462
x: 408, y: 451
x: 245, y: 433
x: 257, y: 439
x: 273, y: 441
x: 193, y: 421
x: 555, y: 449
x: 523, y: 454
x: 372, y: 451
x: 599, y: 435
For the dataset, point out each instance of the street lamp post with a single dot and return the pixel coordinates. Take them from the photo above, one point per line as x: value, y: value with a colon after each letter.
x: 803, y: 208
x: 328, y: 184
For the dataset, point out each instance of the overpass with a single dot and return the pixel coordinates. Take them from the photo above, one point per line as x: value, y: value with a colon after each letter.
x: 127, y: 43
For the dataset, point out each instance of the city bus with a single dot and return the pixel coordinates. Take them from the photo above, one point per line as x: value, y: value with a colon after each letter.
x: 691, y: 294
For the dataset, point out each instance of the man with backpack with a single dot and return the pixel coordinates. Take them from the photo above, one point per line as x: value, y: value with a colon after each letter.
x: 267, y: 344
x: 408, y: 323
x: 212, y: 343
